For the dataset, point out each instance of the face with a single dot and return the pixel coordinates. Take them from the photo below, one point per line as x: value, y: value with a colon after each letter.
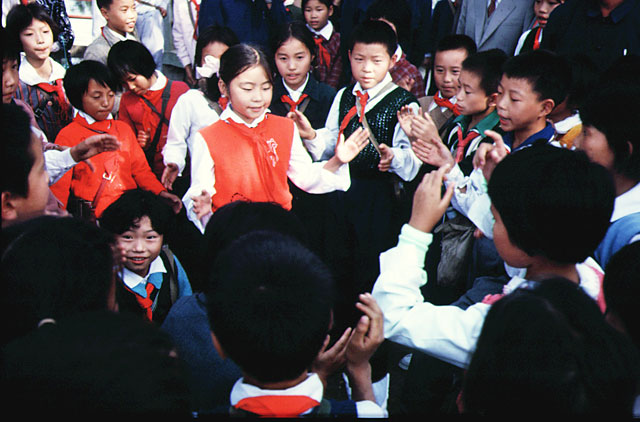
x: 9, y: 79
x: 38, y: 194
x: 37, y: 40
x: 121, y: 16
x: 594, y: 144
x: 249, y: 93
x: 317, y: 14
x: 141, y: 244
x: 293, y: 61
x: 215, y: 49
x: 471, y: 98
x: 138, y: 84
x: 518, y: 105
x: 446, y: 71
x: 509, y: 252
x: 370, y: 63
x: 98, y: 101
x: 543, y: 8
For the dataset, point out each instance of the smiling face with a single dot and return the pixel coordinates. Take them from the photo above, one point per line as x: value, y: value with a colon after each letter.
x: 317, y: 14
x: 37, y: 40
x: 293, y: 61
x: 98, y: 101
x: 370, y: 63
x: 9, y: 79
x: 140, y: 245
x: 121, y: 16
x: 446, y: 71
x: 249, y: 93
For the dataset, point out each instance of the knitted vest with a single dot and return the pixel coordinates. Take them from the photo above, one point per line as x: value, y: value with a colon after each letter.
x: 251, y: 164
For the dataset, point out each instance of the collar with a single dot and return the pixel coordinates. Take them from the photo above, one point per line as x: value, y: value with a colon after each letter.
x: 627, y: 203
x: 547, y: 133
x: 325, y: 32
x: 160, y: 83
x: 433, y: 105
x: 296, y: 93
x: 111, y: 33
x: 398, y: 53
x: 228, y: 113
x: 565, y: 125
x: 311, y: 388
x: 376, y: 89
x: 616, y: 15
x: 28, y: 74
x: 137, y: 283
x: 489, y: 122
x: 90, y: 120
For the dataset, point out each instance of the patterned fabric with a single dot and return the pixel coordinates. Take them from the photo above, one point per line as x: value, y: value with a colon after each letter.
x: 50, y: 116
x: 58, y: 12
x: 404, y: 69
x: 330, y: 75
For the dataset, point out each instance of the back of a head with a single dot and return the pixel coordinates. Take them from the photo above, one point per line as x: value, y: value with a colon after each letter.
x: 131, y: 206
x: 17, y: 157
x: 130, y: 57
x: 554, y: 203
x: 487, y: 65
x: 269, y: 305
x: 10, y: 45
x: 374, y: 32
x: 77, y: 77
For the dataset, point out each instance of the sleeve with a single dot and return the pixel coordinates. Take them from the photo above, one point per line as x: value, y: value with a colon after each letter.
x: 175, y: 150
x: 445, y: 332
x: 58, y: 163
x: 322, y: 146
x: 210, y: 14
x: 61, y: 187
x: 521, y: 40
x: 123, y: 113
x: 470, y: 197
x: 405, y: 163
x: 140, y: 169
x: 461, y: 24
x: 202, y: 178
x: 181, y: 29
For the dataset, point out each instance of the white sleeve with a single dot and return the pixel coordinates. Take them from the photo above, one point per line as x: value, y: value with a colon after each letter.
x: 323, y: 145
x: 175, y: 150
x: 446, y: 332
x: 181, y: 29
x: 470, y: 197
x: 404, y: 163
x: 521, y: 40
x: 202, y: 178
x: 58, y: 163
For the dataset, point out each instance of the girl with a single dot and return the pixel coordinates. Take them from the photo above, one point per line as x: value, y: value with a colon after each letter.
x: 196, y: 108
x: 40, y: 83
x: 316, y: 15
x: 530, y: 39
x: 256, y: 152
x: 150, y: 97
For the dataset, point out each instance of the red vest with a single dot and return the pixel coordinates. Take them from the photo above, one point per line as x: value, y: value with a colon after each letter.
x: 251, y: 164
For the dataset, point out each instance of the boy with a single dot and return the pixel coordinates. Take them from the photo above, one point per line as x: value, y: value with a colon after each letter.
x: 531, y: 38
x: 534, y: 185
x: 152, y: 278
x: 121, y: 19
x: 447, y: 62
x: 329, y: 63
x: 270, y: 313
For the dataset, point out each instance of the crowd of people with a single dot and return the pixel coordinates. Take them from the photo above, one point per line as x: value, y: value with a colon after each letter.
x: 333, y: 208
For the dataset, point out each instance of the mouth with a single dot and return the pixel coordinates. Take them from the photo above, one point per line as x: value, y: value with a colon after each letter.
x: 137, y: 259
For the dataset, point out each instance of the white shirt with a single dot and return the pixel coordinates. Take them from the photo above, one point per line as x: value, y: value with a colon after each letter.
x: 325, y: 32
x: 183, y: 30
x: 28, y: 74
x: 404, y: 163
x: 625, y: 204
x: 565, y: 125
x: 307, y: 175
x: 127, y: 35
x: 132, y: 279
x: 295, y: 94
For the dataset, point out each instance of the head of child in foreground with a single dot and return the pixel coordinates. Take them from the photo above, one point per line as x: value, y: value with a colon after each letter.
x: 372, y: 52
x: 551, y: 205
x: 532, y: 84
x: 317, y: 12
x: 133, y: 66
x: 25, y: 181
x: 295, y: 53
x: 90, y: 87
x: 269, y: 304
x: 450, y: 52
x: 543, y: 8
x: 121, y: 15
x: 35, y: 30
x: 246, y: 79
x: 479, y: 78
x: 10, y: 65
x: 139, y: 220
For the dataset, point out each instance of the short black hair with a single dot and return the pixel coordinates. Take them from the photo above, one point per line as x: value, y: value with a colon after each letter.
x: 456, y: 42
x: 130, y: 56
x: 20, y: 17
x: 270, y: 305
x: 17, y: 157
x: 211, y: 34
x: 241, y: 57
x: 375, y: 32
x: 76, y: 80
x: 104, y: 4
x: 131, y: 206
x: 395, y: 11
x: 298, y: 31
x: 10, y: 45
x: 613, y: 109
x: 328, y: 3
x: 584, y: 76
x: 487, y: 65
x: 554, y: 202
x: 548, y: 73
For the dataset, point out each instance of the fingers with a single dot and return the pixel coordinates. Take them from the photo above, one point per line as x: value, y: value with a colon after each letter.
x: 370, y: 308
x: 497, y: 138
x: 325, y: 344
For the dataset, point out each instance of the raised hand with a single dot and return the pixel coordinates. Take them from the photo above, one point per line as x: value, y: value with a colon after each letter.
x: 169, y: 175
x: 368, y: 334
x: 349, y: 149
x: 173, y: 200
x: 386, y: 156
x: 488, y: 156
x: 405, y: 118
x: 202, y: 204
x: 143, y: 138
x: 94, y: 145
x: 433, y: 152
x: 423, y: 127
x: 329, y: 361
x: 428, y: 203
x: 303, y: 124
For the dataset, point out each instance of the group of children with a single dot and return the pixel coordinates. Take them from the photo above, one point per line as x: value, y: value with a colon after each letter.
x: 275, y: 222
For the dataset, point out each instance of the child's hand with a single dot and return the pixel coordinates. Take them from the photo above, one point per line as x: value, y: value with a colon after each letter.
x: 162, y: 11
x: 94, y: 145
x: 304, y: 126
x: 433, y: 152
x: 405, y: 118
x: 407, y: 83
x: 173, y: 200
x: 428, y: 206
x: 169, y: 175
x: 202, y: 204
x: 347, y: 150
x: 368, y: 334
x: 329, y: 361
x: 423, y: 127
x: 143, y: 138
x: 386, y: 156
x: 488, y: 156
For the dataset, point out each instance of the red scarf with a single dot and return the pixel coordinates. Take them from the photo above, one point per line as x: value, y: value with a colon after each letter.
x: 323, y: 53
x: 463, y: 142
x: 538, y: 38
x: 277, y: 406
x: 293, y: 105
x: 444, y: 102
x: 145, y: 302
x: 223, y: 101
x: 195, y: 24
x: 363, y: 98
x: 55, y: 89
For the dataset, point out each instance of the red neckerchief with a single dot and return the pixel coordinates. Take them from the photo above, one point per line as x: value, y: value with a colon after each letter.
x: 61, y: 99
x: 363, y: 98
x: 538, y: 38
x: 277, y: 406
x: 293, y: 105
x: 145, y: 302
x: 444, y: 102
x: 195, y: 25
x: 463, y: 142
x: 323, y: 53
x: 223, y: 102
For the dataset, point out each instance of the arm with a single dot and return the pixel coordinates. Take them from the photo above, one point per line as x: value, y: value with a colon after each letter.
x: 404, y: 163
x: 202, y: 180
x: 182, y: 30
x: 175, y: 149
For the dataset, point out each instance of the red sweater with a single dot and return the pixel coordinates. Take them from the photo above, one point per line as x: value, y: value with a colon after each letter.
x: 128, y: 165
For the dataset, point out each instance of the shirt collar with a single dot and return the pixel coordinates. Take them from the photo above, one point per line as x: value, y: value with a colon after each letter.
x: 547, y: 133
x: 137, y: 283
x: 565, y: 125
x: 398, y: 53
x: 228, y: 113
x: 489, y: 122
x: 296, y: 93
x: 90, y: 119
x: 616, y: 15
x: 627, y: 203
x: 376, y: 89
x: 160, y: 83
x: 114, y: 34
x: 28, y: 74
x: 324, y: 32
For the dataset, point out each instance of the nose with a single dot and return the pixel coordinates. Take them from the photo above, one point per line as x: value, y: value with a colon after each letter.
x: 131, y: 85
x: 39, y: 37
x: 500, y: 102
x: 138, y: 245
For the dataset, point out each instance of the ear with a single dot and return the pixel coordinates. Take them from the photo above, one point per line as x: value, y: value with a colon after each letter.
x: 217, y: 345
x: 394, y: 59
x: 331, y: 10
x: 9, y: 209
x: 104, y: 13
x: 630, y: 146
x: 547, y: 106
x: 492, y: 100
x: 223, y: 88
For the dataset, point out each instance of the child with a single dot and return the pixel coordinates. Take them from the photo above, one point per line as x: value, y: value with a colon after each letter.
x: 534, y: 185
x: 255, y: 152
x: 90, y: 88
x: 150, y: 28
x: 329, y: 61
x: 185, y: 35
x: 196, y: 108
x: 530, y: 39
x: 149, y: 98
x: 270, y: 310
x: 152, y: 278
x: 447, y: 62
x: 40, y: 76
x: 121, y: 19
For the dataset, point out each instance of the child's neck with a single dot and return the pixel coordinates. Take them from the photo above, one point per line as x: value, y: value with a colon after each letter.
x: 116, y: 30
x: 623, y: 184
x: 279, y: 385
x: 477, y: 118
x: 521, y: 135
x: 43, y: 67
x: 541, y: 269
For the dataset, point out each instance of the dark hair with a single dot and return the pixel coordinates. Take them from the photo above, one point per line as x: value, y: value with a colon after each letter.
x: 298, y: 31
x: 76, y: 80
x: 17, y: 157
x: 395, y: 11
x: 104, y: 4
x: 487, y: 65
x: 241, y: 57
x: 546, y: 349
x: 130, y: 56
x: 621, y: 288
x: 131, y: 206
x: 96, y: 362
x: 328, y: 3
x: 10, y: 45
x: 456, y: 42
x: 54, y: 267
x: 548, y: 73
x: 584, y: 76
x: 21, y: 16
x: 211, y: 34
x: 535, y: 190
x: 624, y: 69
x: 375, y: 32
x: 270, y: 305
x: 613, y: 110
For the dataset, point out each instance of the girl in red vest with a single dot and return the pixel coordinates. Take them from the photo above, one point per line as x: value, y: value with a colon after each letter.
x: 249, y: 153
